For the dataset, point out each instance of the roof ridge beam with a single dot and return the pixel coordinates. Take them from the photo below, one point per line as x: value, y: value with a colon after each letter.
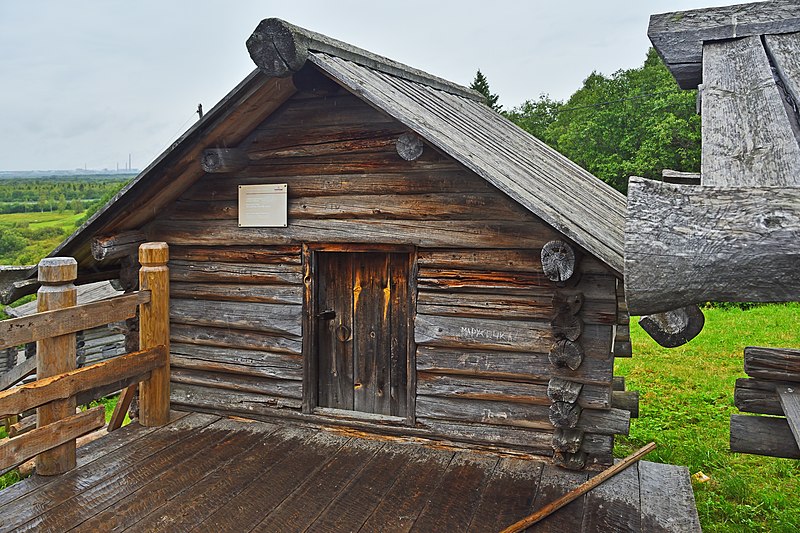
x: 280, y: 49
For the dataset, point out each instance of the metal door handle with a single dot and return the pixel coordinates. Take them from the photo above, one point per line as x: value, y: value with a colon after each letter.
x: 328, y: 314
x: 343, y: 333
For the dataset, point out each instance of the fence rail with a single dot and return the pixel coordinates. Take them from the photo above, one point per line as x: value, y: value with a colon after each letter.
x: 60, y: 385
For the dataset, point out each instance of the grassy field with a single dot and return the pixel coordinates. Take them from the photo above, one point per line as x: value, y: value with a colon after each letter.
x: 686, y: 400
x: 37, y: 233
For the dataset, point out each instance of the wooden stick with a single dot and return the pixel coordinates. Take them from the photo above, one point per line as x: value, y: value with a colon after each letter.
x: 579, y: 491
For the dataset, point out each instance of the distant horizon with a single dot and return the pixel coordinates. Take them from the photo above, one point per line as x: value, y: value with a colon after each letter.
x: 68, y: 172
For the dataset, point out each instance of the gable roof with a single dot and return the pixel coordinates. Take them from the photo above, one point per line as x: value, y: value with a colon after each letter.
x: 448, y: 116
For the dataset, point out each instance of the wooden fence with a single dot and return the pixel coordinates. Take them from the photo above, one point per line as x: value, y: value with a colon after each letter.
x: 60, y: 386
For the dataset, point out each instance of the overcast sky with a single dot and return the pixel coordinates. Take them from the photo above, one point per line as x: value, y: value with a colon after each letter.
x: 85, y: 83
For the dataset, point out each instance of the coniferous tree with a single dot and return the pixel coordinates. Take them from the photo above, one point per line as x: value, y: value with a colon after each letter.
x: 481, y: 85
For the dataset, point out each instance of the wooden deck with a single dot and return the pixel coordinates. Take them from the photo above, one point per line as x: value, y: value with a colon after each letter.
x: 205, y: 473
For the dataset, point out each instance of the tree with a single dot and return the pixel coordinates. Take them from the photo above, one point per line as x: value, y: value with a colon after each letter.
x: 481, y: 85
x: 636, y: 122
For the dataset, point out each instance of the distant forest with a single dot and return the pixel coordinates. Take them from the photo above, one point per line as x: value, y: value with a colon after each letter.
x: 57, y: 194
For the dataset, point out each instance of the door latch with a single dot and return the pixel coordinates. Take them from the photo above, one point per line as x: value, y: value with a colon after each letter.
x: 328, y: 314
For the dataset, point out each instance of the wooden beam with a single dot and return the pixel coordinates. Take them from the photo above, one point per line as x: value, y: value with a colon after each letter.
x: 759, y: 396
x: 43, y: 439
x: 772, y: 363
x: 763, y: 435
x: 790, y: 401
x: 674, y: 328
x: 16, y: 290
x: 154, y: 331
x: 54, y: 355
x: 679, y: 36
x: 64, y: 385
x: 117, y: 245
x: 121, y: 409
x: 747, y: 135
x: 681, y: 178
x: 686, y: 245
x: 280, y: 49
x: 627, y: 401
x: 222, y: 160
x: 23, y: 330
x: 17, y: 373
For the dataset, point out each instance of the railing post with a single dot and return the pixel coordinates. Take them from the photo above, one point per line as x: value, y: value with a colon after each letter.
x: 154, y: 330
x: 56, y: 355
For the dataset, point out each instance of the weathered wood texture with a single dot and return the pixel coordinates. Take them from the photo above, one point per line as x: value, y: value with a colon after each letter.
x: 65, y: 385
x: 22, y: 330
x: 789, y: 396
x: 763, y: 435
x: 211, y: 474
x: 154, y: 331
x: 697, y: 232
x: 50, y: 437
x: 772, y: 363
x: 747, y: 135
x: 523, y: 168
x: 679, y: 36
x: 674, y: 328
x: 759, y: 395
x: 238, y: 292
x: 56, y: 355
x: 116, y: 246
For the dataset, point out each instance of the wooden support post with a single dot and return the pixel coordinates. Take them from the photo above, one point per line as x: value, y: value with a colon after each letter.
x: 55, y: 356
x: 154, y: 331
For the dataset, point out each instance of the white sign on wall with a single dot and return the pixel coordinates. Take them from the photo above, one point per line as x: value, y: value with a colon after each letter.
x: 263, y: 206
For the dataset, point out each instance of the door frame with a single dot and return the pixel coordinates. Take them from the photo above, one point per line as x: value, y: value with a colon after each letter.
x: 310, y: 362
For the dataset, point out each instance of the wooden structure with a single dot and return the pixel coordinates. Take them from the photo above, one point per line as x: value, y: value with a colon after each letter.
x: 735, y: 237
x: 216, y: 474
x: 61, y: 386
x: 357, y: 244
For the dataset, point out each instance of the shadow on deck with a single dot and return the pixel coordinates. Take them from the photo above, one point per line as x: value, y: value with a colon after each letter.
x: 207, y: 473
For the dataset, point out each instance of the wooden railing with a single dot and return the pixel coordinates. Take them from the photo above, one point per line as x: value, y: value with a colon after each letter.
x: 60, y: 386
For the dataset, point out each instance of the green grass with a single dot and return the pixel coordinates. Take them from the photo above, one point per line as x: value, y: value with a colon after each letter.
x: 686, y: 399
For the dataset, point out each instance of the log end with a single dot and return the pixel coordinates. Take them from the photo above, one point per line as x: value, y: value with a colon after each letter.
x: 409, y: 146
x: 278, y: 48
x: 674, y: 328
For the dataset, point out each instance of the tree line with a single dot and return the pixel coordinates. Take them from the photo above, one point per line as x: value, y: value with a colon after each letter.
x: 61, y: 194
x: 635, y: 122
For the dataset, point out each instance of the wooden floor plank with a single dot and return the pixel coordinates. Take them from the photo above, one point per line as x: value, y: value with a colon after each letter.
x: 401, y: 505
x: 554, y: 483
x: 75, y: 502
x: 25, y: 507
x: 452, y: 506
x: 176, y: 479
x: 85, y: 455
x: 311, y: 497
x: 354, y: 504
x: 267, y: 491
x: 667, y: 499
x: 614, y: 504
x: 191, y: 507
x: 509, y: 494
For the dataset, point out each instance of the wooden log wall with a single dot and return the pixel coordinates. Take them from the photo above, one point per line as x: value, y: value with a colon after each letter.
x: 483, y: 326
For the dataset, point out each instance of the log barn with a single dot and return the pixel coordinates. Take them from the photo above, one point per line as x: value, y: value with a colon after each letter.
x: 359, y: 246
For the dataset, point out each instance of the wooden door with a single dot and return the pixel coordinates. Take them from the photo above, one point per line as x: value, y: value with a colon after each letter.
x: 361, y: 314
